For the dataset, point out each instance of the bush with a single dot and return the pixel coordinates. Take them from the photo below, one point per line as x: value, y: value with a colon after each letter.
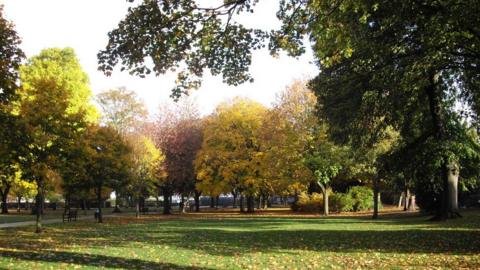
x: 341, y: 202
x: 362, y: 198
x: 358, y: 198
x: 309, y: 203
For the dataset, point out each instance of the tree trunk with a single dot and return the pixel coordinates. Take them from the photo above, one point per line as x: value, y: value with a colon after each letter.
x: 4, y: 204
x: 453, y: 174
x: 406, y: 199
x: 259, y: 202
x: 117, y: 202
x: 411, y: 203
x: 38, y: 207
x: 324, y: 189
x: 27, y: 203
x: 250, y: 204
x: 137, y: 208
x: 19, y: 201
x: 400, y: 200
x: 242, y: 208
x: 266, y: 201
x: 166, y: 202
x: 184, y: 204
x: 4, y: 194
x: 438, y: 121
x: 375, y: 202
x: 234, y: 194
x: 197, y: 201
x: 217, y: 199
x: 99, y: 201
x: 212, y: 202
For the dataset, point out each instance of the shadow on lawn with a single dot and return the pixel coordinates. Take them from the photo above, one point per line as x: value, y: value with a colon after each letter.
x: 229, y: 237
x: 90, y: 260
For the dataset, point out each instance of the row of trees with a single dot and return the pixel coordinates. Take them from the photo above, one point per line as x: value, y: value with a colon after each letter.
x: 389, y: 69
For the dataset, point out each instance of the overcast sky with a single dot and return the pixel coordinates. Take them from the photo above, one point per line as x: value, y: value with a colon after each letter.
x: 84, y: 24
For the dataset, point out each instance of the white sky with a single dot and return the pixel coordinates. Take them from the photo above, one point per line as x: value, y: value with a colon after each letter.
x: 84, y: 24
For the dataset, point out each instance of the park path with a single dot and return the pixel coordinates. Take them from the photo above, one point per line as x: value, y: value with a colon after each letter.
x: 57, y: 220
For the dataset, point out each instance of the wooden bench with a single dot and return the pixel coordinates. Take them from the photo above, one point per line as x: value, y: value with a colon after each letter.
x: 70, y: 215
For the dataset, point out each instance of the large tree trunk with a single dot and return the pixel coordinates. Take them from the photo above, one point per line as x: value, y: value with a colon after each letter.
x: 4, y: 194
x: 4, y: 204
x: 197, y: 201
x: 217, y: 200
x: 453, y: 174
x: 438, y: 121
x: 411, y: 203
x: 166, y: 202
x: 250, y: 204
x: 259, y: 202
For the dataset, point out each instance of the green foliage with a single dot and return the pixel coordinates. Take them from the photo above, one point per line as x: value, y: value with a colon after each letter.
x: 362, y: 198
x: 309, y: 203
x: 11, y: 57
x: 183, y: 34
x: 59, y: 70
x: 341, y: 202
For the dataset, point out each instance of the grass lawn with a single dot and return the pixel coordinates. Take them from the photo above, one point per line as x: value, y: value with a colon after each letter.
x: 216, y: 241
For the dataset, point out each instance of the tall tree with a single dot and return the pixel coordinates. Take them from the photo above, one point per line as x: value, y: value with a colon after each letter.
x: 147, y: 162
x: 230, y: 154
x: 10, y: 59
x: 121, y: 109
x: 53, y: 108
x: 107, y: 162
x: 179, y: 135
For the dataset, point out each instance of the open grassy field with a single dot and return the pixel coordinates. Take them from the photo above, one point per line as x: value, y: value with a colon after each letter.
x: 232, y: 241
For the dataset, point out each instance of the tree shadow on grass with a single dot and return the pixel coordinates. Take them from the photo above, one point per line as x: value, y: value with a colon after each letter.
x: 90, y: 260
x: 228, y: 243
x: 229, y: 237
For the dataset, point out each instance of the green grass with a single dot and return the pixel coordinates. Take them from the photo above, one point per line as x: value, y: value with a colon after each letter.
x: 247, y: 243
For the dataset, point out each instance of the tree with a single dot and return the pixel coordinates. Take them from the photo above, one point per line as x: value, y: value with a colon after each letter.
x: 121, y: 109
x: 147, y: 162
x: 412, y: 64
x: 231, y: 149
x: 107, y: 161
x: 10, y: 59
x: 285, y: 136
x: 178, y: 134
x: 53, y: 108
x: 124, y: 111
